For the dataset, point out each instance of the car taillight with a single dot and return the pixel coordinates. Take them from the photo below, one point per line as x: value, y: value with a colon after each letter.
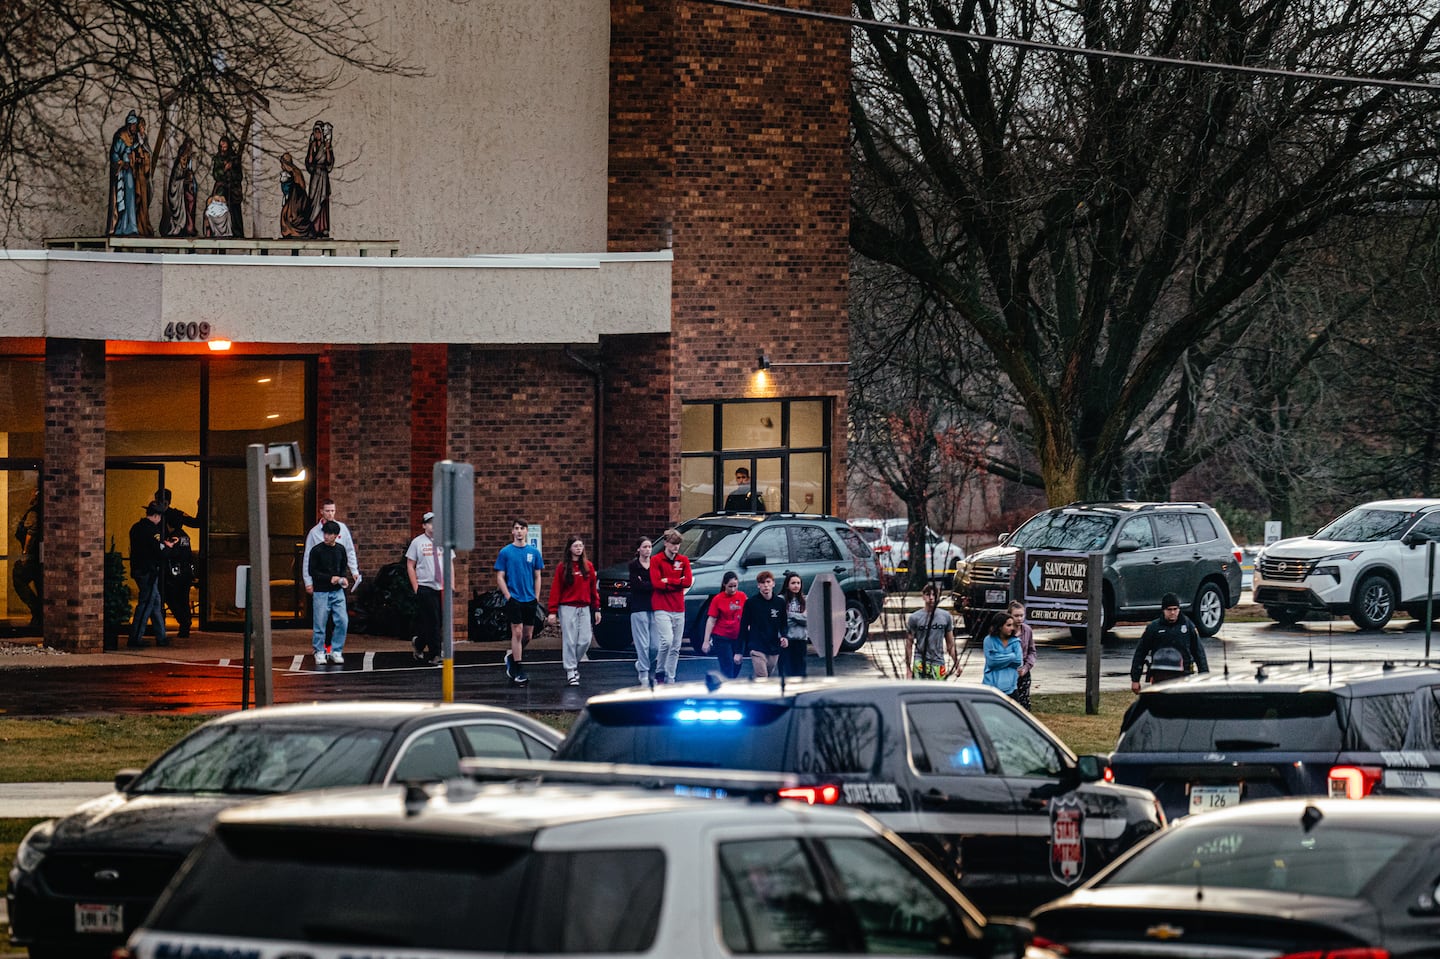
x: 1239, y: 556
x: 1354, y: 952
x: 121, y: 953
x: 882, y: 549
x: 1059, y: 948
x: 827, y: 795
x: 1353, y: 782
x: 1109, y: 774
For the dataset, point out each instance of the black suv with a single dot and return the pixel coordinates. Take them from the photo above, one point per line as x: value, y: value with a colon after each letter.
x: 959, y: 770
x: 1150, y: 549
x: 1327, y: 729
x: 746, y: 543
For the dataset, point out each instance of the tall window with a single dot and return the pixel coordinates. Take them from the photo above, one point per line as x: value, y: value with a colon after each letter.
x: 771, y: 455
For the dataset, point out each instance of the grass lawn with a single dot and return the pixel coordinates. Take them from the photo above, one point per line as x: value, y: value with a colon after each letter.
x: 92, y: 749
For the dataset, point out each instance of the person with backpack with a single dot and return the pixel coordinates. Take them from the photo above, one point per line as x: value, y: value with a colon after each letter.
x: 1170, y: 647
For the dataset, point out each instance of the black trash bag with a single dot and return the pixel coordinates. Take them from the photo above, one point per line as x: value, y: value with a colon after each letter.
x: 486, y: 618
x: 384, y: 604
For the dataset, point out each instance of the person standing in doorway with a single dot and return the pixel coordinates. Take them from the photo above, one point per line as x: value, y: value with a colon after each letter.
x: 147, y: 558
x: 179, y: 572
x: 422, y: 564
x: 574, y: 607
x: 517, y: 572
x: 670, y: 575
x: 930, y: 638
x: 762, y: 624
x: 26, y: 574
x: 1026, y: 635
x: 328, y: 582
x: 642, y: 618
x: 316, y: 536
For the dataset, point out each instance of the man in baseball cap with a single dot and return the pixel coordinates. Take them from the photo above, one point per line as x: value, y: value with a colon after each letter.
x: 1170, y: 647
x: 422, y: 563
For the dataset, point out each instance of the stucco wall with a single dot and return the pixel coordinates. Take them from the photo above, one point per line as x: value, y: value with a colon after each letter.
x: 500, y: 147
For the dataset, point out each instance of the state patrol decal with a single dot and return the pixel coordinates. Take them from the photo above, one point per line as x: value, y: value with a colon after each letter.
x: 1067, y: 839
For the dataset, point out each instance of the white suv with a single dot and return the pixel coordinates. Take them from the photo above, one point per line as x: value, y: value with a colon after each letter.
x: 581, y: 869
x: 1359, y: 564
x: 890, y: 538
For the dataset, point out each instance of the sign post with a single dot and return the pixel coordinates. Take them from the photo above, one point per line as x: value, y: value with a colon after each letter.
x: 1066, y: 589
x: 452, y: 498
x: 825, y: 617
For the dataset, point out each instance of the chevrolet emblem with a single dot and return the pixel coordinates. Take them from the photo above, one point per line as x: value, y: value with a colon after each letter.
x: 1164, y: 932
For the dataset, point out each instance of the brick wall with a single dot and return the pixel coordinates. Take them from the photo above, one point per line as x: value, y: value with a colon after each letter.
x: 730, y: 128
x: 642, y: 435
x: 428, y: 386
x: 75, y: 491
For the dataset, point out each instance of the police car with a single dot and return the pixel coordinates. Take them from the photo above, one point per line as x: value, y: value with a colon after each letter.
x: 590, y: 867
x: 958, y: 770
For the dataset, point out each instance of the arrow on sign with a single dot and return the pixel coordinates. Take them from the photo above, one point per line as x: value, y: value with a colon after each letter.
x: 1036, y: 576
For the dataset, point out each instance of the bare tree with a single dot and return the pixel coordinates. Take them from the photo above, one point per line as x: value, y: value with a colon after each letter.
x: 207, y: 66
x: 1104, y: 226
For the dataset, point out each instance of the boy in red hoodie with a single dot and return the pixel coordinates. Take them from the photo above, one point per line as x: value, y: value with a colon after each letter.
x: 575, y: 603
x: 670, y: 575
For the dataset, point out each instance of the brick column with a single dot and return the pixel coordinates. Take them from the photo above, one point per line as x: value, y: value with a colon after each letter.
x: 74, y: 487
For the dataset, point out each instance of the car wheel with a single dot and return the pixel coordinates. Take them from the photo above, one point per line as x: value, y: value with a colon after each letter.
x: 1284, y: 615
x: 1209, y: 609
x: 857, y: 627
x: 1374, y: 602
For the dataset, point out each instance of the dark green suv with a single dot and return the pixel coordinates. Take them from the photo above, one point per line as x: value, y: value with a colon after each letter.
x: 746, y: 543
x: 1150, y: 549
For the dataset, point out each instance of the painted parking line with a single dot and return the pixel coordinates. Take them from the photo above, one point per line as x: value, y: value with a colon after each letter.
x: 295, y: 663
x: 369, y: 663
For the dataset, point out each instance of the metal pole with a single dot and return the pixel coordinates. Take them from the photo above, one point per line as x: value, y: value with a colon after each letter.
x: 829, y: 637
x: 447, y: 612
x: 1095, y: 617
x: 245, y: 662
x: 256, y: 475
x: 1429, y: 593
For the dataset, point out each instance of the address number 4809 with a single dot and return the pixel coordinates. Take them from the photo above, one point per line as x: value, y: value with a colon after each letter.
x: 187, y: 331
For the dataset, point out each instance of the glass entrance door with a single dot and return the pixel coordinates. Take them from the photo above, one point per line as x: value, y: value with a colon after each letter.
x: 227, y: 518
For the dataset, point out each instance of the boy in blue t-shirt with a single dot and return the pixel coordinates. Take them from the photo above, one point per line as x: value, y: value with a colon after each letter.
x: 517, y: 570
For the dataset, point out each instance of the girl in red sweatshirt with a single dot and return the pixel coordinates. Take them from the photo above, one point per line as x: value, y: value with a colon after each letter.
x: 575, y: 605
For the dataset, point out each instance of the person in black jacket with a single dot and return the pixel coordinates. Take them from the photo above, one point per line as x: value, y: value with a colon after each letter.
x: 762, y: 623
x: 1170, y: 645
x: 147, y: 558
x: 642, y: 619
x: 178, y: 575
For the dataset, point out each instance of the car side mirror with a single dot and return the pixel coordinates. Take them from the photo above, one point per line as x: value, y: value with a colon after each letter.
x: 1413, y: 539
x: 1003, y: 538
x: 753, y: 559
x: 1007, y: 938
x: 1127, y: 546
x: 124, y: 778
x: 1091, y: 768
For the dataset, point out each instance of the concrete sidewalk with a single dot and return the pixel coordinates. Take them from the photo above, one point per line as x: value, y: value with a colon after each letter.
x: 42, y: 800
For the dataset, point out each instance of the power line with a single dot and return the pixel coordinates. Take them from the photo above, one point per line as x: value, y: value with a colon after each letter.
x: 1078, y: 51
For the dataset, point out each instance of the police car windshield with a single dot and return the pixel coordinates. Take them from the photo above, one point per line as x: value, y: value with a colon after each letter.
x: 709, y: 543
x: 678, y: 733
x: 1064, y: 529
x: 1194, y: 722
x: 258, y: 758
x: 1362, y: 525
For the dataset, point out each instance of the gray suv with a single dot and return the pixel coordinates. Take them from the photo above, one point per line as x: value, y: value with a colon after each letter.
x: 746, y: 543
x: 1150, y: 549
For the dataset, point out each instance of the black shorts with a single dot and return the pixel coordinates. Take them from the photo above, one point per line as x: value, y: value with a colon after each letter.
x: 518, y: 612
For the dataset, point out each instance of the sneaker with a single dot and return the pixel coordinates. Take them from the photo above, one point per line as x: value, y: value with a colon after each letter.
x: 417, y: 650
x: 509, y: 667
x: 660, y: 678
x: 337, y: 659
x: 520, y: 678
x: 320, y: 658
x: 573, y: 680
x: 435, y: 661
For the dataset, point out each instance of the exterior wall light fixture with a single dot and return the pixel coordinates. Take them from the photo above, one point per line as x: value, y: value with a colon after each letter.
x: 765, y: 363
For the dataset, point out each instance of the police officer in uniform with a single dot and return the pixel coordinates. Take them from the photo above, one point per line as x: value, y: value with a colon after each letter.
x: 1171, y: 645
x: 179, y: 571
